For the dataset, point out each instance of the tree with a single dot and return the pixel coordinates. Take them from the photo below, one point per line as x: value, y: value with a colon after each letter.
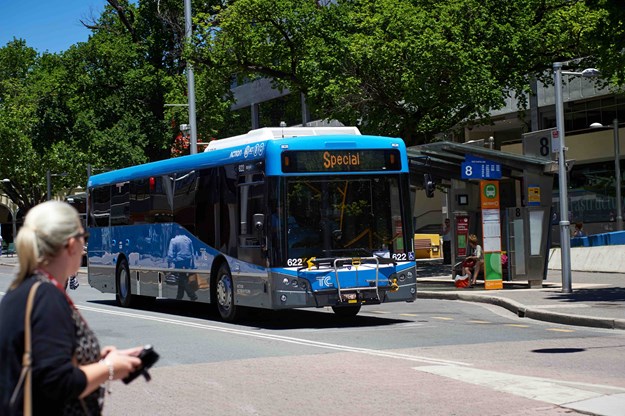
x: 607, y: 39
x: 19, y: 161
x: 397, y: 67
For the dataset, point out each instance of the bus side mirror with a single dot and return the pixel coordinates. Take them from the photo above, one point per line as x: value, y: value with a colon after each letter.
x: 259, y: 222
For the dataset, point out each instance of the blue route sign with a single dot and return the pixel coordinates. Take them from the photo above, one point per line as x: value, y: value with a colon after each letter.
x: 478, y: 168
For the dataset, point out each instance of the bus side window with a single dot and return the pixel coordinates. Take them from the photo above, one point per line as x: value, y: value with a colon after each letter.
x: 101, y: 207
x: 207, y: 206
x: 228, y: 213
x: 185, y: 187
x: 120, y: 204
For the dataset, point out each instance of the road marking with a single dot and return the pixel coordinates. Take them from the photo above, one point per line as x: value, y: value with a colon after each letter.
x: 443, y: 318
x: 560, y: 330
x: 479, y: 322
x: 557, y: 392
x: 408, y: 314
x: 291, y: 340
x: 379, y: 312
x: 518, y: 325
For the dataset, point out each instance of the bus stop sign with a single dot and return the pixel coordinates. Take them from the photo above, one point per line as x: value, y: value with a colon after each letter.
x: 478, y: 168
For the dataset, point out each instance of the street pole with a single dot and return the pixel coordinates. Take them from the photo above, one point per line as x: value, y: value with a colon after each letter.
x: 617, y: 174
x: 14, y: 223
x: 565, y: 234
x: 190, y: 79
x: 49, y: 185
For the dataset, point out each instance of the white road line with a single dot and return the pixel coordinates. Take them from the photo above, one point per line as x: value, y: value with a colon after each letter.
x: 567, y: 306
x: 291, y: 340
x: 547, y: 390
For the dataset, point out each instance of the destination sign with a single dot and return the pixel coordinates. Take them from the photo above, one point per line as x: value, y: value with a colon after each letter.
x: 341, y: 160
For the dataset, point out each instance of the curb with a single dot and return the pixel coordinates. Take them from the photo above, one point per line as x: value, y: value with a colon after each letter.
x: 523, y: 312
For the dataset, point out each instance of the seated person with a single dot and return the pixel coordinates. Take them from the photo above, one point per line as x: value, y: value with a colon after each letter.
x: 477, y: 257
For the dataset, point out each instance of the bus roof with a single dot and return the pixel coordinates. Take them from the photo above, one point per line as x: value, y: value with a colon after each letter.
x: 272, y: 133
x: 262, y: 144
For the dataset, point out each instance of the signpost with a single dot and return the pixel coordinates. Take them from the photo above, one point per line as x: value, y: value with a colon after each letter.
x: 491, y: 231
x: 487, y: 172
x: 543, y: 144
x: 462, y: 235
x: 478, y: 168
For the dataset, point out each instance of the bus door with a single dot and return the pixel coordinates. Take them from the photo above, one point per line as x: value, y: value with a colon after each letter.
x: 252, y: 240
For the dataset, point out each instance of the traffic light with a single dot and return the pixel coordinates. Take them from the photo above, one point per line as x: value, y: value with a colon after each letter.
x: 429, y: 185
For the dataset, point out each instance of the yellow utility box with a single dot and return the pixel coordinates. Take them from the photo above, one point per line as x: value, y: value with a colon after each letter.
x: 428, y: 246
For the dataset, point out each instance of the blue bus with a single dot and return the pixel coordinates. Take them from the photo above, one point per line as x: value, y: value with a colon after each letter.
x: 276, y: 218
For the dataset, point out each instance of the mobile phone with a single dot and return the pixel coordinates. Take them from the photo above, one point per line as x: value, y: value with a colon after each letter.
x: 148, y: 357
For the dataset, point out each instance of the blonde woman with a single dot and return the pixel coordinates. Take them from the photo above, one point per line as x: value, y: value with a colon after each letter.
x: 68, y: 367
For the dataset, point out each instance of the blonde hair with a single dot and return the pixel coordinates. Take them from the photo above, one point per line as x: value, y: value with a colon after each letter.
x: 473, y: 239
x: 46, y: 229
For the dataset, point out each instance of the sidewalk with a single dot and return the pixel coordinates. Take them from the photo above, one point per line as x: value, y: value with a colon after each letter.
x: 597, y: 299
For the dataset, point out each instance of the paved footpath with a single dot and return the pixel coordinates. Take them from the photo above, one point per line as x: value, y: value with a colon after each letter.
x: 597, y: 299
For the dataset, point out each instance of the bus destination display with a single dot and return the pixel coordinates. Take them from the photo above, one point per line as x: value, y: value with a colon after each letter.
x: 341, y: 160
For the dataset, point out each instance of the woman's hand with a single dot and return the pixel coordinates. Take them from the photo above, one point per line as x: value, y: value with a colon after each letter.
x: 115, y: 364
x: 134, y: 352
x: 106, y: 350
x: 122, y: 362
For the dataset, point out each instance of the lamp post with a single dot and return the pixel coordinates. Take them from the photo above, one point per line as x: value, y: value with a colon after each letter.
x: 617, y: 171
x: 565, y: 225
x: 190, y: 79
x: 49, y: 182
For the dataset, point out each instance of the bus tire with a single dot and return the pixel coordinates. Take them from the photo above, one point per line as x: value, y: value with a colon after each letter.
x: 346, y: 311
x: 224, y: 295
x: 122, y: 279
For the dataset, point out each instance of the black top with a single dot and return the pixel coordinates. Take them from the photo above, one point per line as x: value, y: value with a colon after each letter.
x: 59, y: 335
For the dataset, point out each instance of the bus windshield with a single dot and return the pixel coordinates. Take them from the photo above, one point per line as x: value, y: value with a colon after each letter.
x: 353, y: 216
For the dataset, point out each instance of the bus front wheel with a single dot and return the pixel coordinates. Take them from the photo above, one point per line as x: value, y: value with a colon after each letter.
x: 225, y: 295
x: 346, y: 311
x: 123, y: 296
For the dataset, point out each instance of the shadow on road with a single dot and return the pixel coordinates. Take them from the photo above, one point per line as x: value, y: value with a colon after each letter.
x: 262, y: 318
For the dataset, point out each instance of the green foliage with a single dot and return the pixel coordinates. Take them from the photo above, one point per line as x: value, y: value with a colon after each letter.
x: 408, y: 68
x: 102, y: 102
x: 607, y: 39
x: 397, y: 67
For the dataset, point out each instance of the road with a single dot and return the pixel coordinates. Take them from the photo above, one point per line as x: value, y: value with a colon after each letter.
x: 430, y: 357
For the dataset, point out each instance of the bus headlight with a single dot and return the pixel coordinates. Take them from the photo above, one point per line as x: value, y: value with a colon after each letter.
x: 283, y: 298
x: 402, y: 277
x: 285, y: 281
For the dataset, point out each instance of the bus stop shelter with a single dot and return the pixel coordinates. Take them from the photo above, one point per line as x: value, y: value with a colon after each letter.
x: 525, y: 194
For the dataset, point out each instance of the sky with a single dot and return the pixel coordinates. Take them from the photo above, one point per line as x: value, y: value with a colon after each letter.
x: 47, y: 25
